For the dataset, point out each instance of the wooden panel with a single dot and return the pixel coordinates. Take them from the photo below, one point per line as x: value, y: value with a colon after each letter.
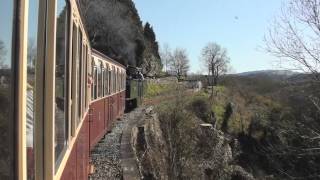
x: 115, y: 107
x: 111, y: 109
x: 76, y: 167
x: 70, y: 172
x: 107, y: 114
x: 97, y: 121
x: 83, y: 151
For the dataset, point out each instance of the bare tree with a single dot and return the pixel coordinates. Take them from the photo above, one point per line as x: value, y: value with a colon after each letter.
x: 216, y: 60
x: 2, y: 54
x: 179, y: 63
x: 166, y: 56
x: 294, y: 39
x: 294, y: 36
x: 32, y: 53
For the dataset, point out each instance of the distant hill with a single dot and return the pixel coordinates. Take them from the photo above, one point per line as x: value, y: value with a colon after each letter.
x: 287, y: 73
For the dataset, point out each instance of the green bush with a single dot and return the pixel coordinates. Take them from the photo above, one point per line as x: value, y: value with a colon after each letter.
x: 155, y: 89
x: 201, y: 108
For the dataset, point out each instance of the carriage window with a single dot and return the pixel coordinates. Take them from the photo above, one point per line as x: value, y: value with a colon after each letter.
x: 79, y: 74
x: 85, y: 78
x: 31, y: 58
x: 114, y: 80
x: 117, y: 80
x: 99, y: 81
x: 124, y: 81
x: 109, y: 81
x: 103, y: 84
x: 122, y: 77
x: 120, y: 81
x: 61, y: 84
x: 106, y: 83
x: 95, y: 81
x: 6, y: 91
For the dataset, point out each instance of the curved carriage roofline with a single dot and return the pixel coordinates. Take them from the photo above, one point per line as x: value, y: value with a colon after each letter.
x: 81, y: 19
x: 104, y: 57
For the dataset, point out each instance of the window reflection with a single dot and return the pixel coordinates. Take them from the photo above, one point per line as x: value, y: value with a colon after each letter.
x: 32, y: 57
x: 61, y: 84
x: 95, y: 82
x: 6, y: 91
x: 79, y: 68
x: 109, y: 81
x: 99, y: 80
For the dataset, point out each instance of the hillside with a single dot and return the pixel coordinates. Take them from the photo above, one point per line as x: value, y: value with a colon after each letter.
x: 287, y: 73
x: 115, y: 29
x: 262, y: 128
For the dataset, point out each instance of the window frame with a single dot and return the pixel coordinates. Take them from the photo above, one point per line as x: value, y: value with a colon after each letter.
x: 58, y: 160
x: 79, y: 76
x: 103, y: 84
x: 94, y: 81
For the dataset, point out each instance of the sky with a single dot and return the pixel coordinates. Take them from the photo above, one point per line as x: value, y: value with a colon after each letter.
x: 6, y: 19
x: 237, y: 25
x: 6, y: 16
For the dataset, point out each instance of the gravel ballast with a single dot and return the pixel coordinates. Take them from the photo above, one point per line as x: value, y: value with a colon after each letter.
x: 106, y: 156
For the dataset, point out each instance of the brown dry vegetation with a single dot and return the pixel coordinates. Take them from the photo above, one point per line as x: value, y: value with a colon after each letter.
x: 269, y: 125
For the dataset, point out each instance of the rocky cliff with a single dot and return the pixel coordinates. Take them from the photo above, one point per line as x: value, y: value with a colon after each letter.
x: 165, y: 151
x: 115, y: 29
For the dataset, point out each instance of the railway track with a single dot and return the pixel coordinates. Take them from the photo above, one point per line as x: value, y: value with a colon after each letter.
x: 113, y: 157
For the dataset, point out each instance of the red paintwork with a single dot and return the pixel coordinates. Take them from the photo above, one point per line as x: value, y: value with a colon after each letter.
x: 107, y: 119
x: 83, y: 151
x: 97, y: 122
x: 97, y: 127
x: 70, y: 172
x: 30, y: 165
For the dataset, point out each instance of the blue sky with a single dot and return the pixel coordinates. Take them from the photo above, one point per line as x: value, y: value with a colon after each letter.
x: 6, y: 15
x: 238, y: 25
x: 6, y: 8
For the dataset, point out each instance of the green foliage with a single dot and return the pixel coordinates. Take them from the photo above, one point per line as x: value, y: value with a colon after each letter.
x: 200, y: 107
x: 218, y: 110
x: 219, y: 89
x: 157, y: 89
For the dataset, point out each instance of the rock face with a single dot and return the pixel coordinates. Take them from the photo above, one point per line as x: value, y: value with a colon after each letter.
x: 115, y: 29
x: 150, y: 148
x: 203, y: 153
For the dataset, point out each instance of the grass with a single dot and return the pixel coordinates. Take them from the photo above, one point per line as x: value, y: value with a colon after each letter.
x: 157, y: 89
x: 245, y: 108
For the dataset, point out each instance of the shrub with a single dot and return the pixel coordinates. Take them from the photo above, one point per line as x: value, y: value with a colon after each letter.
x: 201, y: 108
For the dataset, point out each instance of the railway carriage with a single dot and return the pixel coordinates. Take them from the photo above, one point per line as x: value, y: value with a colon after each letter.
x: 58, y: 96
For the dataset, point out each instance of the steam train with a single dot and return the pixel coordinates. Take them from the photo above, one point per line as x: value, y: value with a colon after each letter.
x: 58, y: 95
